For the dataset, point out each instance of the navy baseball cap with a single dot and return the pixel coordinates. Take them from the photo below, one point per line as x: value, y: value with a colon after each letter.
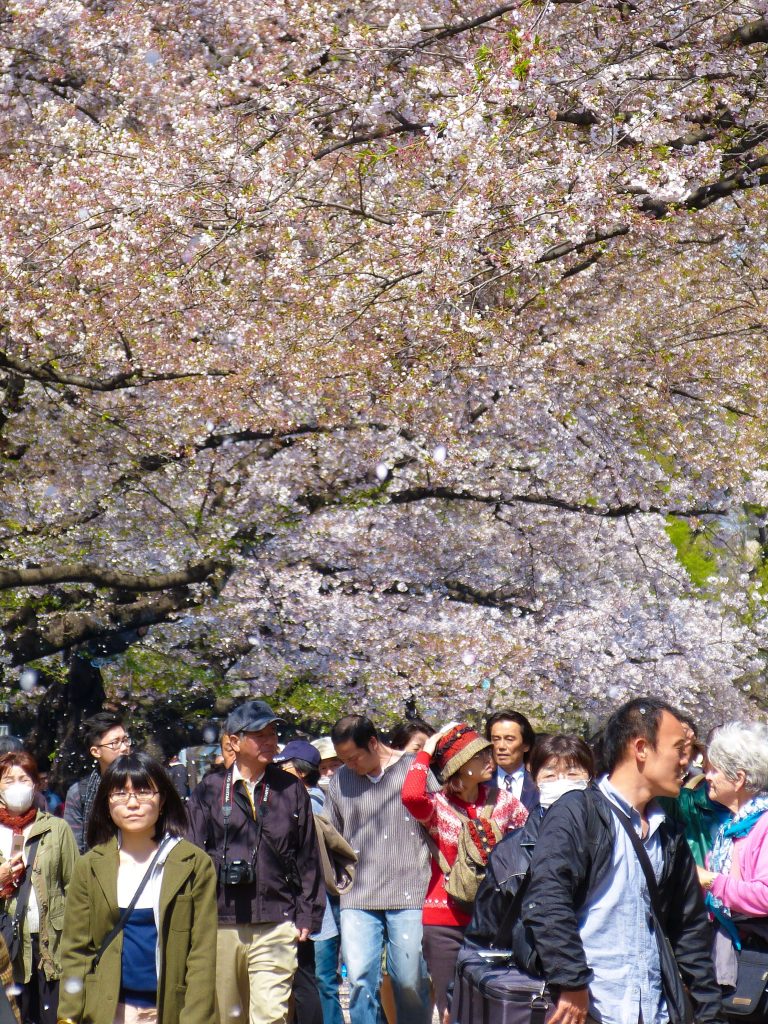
x: 251, y: 716
x: 302, y: 749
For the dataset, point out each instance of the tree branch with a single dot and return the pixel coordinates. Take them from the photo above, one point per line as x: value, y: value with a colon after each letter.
x: 749, y: 34
x: 39, y: 639
x: 379, y: 133
x: 747, y: 177
x: 48, y: 374
x: 556, y: 252
x: 414, y: 494
x: 501, y: 597
x: 83, y: 573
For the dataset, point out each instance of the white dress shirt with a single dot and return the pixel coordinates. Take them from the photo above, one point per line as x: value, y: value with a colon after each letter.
x: 515, y: 785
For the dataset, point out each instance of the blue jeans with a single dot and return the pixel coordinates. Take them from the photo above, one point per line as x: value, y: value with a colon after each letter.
x: 327, y: 972
x: 364, y: 934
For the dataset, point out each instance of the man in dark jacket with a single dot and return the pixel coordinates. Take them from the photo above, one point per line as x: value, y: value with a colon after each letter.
x: 256, y: 822
x: 598, y: 938
x: 512, y: 738
x: 106, y: 740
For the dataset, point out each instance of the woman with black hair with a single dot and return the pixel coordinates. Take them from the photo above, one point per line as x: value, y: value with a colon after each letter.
x: 141, y: 877
x: 558, y: 764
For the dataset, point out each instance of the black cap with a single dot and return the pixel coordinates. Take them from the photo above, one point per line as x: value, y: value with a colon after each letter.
x: 250, y: 717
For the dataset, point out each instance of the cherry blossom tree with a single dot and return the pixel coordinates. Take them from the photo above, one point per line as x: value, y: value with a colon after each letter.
x: 413, y: 349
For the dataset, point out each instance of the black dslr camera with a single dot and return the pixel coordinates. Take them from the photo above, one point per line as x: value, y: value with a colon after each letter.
x: 237, y: 872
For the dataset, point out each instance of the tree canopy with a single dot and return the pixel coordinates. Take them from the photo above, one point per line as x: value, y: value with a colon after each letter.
x: 413, y: 351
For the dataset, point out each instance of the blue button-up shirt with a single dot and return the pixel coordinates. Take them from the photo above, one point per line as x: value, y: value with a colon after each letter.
x: 616, y: 931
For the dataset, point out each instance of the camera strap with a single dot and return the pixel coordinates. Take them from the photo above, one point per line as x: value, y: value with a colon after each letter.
x: 226, y: 812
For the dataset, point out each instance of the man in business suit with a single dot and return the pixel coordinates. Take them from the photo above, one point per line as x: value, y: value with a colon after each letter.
x: 512, y: 738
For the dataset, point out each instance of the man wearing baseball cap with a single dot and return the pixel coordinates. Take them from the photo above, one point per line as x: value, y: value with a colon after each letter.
x: 256, y: 823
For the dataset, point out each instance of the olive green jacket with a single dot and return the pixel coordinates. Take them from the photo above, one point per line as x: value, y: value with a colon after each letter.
x: 186, y: 937
x: 51, y: 872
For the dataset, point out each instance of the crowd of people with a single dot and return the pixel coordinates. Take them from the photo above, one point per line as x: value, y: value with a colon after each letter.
x: 628, y: 875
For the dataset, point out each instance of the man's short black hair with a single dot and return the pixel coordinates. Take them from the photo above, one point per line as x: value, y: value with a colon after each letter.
x: 526, y: 729
x: 640, y: 717
x: 97, y: 725
x: 357, y: 728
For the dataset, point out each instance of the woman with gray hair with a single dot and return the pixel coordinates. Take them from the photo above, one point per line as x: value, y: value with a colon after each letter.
x: 738, y: 879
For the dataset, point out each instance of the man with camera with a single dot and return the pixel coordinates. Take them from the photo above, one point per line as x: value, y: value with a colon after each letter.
x: 256, y: 823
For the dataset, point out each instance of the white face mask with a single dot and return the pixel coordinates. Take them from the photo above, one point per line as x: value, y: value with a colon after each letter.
x: 18, y: 797
x: 551, y: 791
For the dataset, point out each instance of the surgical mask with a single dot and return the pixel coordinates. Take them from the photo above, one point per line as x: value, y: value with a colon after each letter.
x: 551, y: 791
x: 18, y: 797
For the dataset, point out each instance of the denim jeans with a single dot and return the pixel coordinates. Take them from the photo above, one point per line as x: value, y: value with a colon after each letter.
x: 327, y: 971
x: 364, y: 934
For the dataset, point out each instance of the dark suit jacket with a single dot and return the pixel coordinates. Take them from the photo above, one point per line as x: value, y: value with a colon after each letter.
x: 529, y: 795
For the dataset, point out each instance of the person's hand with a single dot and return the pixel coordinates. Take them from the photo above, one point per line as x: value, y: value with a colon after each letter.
x: 11, y: 873
x: 302, y: 934
x: 706, y: 878
x: 431, y: 745
x: 572, y: 1007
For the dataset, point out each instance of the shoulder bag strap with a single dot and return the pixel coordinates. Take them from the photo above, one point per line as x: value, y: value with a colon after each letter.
x: 434, y: 849
x: 129, y: 909
x: 682, y: 1007
x: 642, y: 856
x: 491, y: 796
x: 22, y: 898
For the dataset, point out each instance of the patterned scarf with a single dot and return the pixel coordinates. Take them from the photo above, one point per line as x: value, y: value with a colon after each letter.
x: 17, y: 822
x: 88, y: 800
x: 721, y: 857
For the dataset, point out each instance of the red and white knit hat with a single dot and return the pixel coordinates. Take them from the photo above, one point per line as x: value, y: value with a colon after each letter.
x: 456, y: 747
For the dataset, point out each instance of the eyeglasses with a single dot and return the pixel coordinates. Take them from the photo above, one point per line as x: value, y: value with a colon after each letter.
x: 142, y: 796
x: 572, y: 775
x: 122, y: 741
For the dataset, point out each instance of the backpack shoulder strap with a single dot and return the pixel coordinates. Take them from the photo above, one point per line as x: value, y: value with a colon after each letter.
x: 491, y: 796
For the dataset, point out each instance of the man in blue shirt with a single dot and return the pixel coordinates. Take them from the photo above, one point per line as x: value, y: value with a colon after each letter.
x: 597, y: 933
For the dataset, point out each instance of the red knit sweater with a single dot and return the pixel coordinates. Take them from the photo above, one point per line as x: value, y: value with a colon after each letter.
x: 444, y: 826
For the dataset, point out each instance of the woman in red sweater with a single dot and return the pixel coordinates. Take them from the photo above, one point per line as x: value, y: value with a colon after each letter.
x: 462, y: 758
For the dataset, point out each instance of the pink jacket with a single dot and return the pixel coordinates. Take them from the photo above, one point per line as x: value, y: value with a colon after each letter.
x: 745, y: 890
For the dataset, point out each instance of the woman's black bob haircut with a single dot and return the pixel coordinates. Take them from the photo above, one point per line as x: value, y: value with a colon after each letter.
x: 143, y: 772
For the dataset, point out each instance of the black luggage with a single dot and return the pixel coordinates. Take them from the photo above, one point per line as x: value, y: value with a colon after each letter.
x: 489, y: 989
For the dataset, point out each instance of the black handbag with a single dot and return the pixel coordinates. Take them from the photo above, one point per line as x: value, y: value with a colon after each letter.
x: 749, y: 1000
x: 11, y: 926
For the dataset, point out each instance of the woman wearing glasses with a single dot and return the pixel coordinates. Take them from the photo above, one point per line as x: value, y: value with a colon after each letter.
x: 159, y: 968
x: 37, y: 857
x: 558, y: 764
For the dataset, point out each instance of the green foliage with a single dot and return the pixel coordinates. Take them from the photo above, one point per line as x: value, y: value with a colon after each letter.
x: 483, y: 63
x: 308, y: 703
x: 694, y: 549
x: 165, y: 673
